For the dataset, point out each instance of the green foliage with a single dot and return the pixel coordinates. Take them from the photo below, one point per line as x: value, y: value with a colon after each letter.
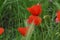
x: 14, y: 12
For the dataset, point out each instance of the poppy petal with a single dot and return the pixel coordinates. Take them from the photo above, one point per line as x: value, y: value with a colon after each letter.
x: 1, y: 30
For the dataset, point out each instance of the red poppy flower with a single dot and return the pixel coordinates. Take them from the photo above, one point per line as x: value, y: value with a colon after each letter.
x: 23, y: 31
x: 35, y: 9
x: 35, y: 19
x: 58, y: 16
x: 1, y: 30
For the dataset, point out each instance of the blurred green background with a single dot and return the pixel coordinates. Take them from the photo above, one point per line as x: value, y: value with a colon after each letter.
x: 14, y: 12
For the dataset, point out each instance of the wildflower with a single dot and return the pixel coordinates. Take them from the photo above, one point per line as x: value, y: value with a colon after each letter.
x: 1, y: 30
x: 35, y: 19
x: 23, y: 31
x: 35, y: 9
x: 57, y: 16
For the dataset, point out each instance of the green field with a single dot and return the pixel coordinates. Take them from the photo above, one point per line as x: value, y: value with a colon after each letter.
x: 13, y: 14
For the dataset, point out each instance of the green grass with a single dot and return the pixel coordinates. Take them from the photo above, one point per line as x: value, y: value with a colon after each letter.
x: 13, y: 14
